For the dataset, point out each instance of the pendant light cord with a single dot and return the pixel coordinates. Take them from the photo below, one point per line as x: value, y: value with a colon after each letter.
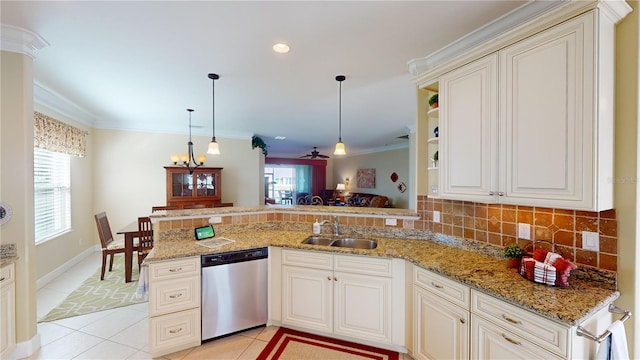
x: 340, y: 113
x: 213, y: 77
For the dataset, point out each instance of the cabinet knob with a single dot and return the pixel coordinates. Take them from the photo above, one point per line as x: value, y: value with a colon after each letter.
x: 500, y: 193
x: 491, y: 193
x: 462, y: 321
x: 2, y: 279
x: 175, y: 296
x: 437, y: 286
x: 335, y: 279
x: 329, y: 278
x: 175, y: 331
x: 175, y: 269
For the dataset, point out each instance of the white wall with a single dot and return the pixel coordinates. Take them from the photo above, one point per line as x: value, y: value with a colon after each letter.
x: 129, y: 174
x: 385, y: 163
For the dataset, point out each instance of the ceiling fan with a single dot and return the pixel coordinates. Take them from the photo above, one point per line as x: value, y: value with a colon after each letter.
x: 315, y: 154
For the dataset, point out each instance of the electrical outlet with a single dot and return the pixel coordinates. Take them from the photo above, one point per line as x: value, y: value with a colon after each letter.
x: 524, y: 231
x: 590, y: 241
x: 391, y: 222
x: 436, y: 216
x: 216, y: 220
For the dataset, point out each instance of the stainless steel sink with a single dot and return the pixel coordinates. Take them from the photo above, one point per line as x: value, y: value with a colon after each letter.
x: 318, y: 240
x: 352, y: 243
x: 355, y: 243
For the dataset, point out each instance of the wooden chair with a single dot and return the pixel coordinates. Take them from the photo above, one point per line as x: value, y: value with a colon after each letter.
x: 145, y: 240
x: 109, y: 245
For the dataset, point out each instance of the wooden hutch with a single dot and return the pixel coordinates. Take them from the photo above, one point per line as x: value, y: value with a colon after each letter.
x: 202, y: 188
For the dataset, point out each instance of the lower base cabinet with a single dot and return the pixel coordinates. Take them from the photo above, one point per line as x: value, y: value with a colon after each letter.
x: 174, y: 305
x: 7, y: 311
x: 344, y: 295
x: 441, y: 328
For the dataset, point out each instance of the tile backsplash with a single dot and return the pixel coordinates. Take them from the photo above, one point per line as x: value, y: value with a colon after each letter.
x: 497, y: 224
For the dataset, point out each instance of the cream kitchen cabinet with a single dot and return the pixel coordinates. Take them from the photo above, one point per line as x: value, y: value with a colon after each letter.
x: 532, y: 123
x: 440, y: 317
x: 345, y: 295
x: 174, y: 305
x: 469, y: 131
x: 7, y: 311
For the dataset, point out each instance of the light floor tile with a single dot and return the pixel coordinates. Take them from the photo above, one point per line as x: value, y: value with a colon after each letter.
x: 68, y: 346
x: 226, y: 348
x: 107, y: 350
x: 50, y: 332
x: 267, y: 333
x: 178, y: 355
x: 252, y: 333
x: 78, y: 322
x: 142, y: 355
x: 252, y: 352
x: 135, y: 336
x: 118, y: 320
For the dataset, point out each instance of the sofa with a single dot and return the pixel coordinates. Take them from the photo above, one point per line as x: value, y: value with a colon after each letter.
x: 368, y: 200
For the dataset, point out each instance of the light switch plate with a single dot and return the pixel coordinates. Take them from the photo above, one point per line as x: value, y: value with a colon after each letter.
x: 524, y: 231
x: 590, y: 241
x: 391, y: 222
x: 216, y: 220
x: 436, y: 216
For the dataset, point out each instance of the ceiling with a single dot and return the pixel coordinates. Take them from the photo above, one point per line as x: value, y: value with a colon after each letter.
x: 138, y: 65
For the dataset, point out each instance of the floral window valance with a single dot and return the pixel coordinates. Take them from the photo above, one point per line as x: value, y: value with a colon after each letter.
x: 54, y: 135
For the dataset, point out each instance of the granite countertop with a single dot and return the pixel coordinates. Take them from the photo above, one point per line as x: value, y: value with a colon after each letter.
x: 8, y: 254
x: 569, y: 305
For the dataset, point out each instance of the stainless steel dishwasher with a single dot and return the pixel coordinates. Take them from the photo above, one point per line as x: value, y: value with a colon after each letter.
x: 234, y: 292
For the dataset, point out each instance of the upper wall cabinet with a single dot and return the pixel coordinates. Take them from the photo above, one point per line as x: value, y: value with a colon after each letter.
x: 532, y: 122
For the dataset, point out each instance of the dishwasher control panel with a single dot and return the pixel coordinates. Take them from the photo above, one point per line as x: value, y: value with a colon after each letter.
x: 234, y: 257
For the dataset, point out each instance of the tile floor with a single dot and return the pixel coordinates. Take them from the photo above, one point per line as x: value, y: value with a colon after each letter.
x: 122, y: 333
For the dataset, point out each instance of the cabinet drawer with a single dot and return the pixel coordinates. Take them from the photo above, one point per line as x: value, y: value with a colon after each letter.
x: 7, y: 275
x: 545, y: 333
x: 308, y: 259
x: 173, y: 269
x: 173, y: 332
x: 363, y: 265
x: 174, y: 295
x: 450, y: 290
x: 490, y: 341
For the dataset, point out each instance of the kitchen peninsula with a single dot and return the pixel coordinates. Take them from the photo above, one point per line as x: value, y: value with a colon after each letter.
x: 474, y: 272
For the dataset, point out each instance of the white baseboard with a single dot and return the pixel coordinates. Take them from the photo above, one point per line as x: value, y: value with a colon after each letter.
x: 66, y: 266
x: 25, y: 348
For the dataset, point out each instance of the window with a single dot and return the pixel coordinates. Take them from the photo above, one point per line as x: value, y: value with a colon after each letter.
x: 52, y: 193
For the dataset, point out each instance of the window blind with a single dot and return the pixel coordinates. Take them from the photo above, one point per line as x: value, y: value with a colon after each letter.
x: 52, y: 193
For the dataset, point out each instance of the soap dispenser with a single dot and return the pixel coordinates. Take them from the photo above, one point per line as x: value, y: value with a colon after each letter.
x: 316, y: 227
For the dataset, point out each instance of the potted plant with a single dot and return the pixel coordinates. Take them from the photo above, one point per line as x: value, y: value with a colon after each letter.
x: 434, y: 159
x: 433, y: 101
x: 513, y: 253
x: 256, y: 141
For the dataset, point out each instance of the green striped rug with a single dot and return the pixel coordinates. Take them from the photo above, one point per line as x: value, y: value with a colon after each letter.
x: 95, y: 295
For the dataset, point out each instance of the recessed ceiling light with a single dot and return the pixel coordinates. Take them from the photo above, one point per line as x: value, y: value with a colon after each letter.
x: 280, y: 137
x: 281, y: 48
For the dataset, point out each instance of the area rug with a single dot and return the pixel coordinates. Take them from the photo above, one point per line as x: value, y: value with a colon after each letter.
x: 96, y: 295
x: 289, y: 344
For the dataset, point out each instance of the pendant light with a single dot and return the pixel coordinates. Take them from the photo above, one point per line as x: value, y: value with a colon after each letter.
x: 214, y: 148
x: 188, y: 158
x: 340, y: 149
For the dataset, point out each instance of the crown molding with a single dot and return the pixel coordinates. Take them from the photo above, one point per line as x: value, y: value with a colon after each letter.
x: 56, y: 102
x: 19, y: 40
x: 525, y: 21
x: 491, y: 30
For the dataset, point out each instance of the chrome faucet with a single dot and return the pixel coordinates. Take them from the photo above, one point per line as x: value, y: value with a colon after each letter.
x: 336, y: 226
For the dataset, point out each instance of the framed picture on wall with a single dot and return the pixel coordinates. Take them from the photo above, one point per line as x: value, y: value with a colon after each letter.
x: 366, y: 178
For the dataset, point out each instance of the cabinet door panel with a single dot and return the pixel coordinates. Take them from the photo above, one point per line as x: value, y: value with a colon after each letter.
x: 547, y: 116
x: 363, y: 307
x: 468, y: 131
x: 441, y: 329
x: 307, y: 298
